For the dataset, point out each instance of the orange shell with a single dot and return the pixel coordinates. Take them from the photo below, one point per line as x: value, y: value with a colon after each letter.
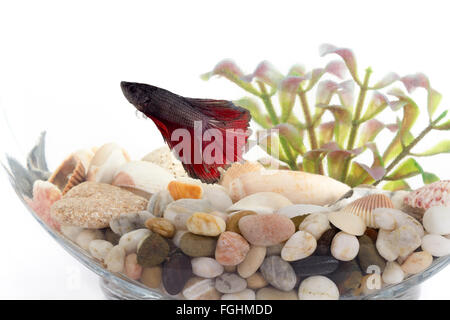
x: 363, y: 207
x: 181, y: 190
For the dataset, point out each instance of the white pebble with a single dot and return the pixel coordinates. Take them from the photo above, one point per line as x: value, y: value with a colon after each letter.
x: 86, y: 236
x: 99, y: 249
x: 437, y: 245
x: 71, y: 232
x: 129, y: 241
x: 115, y: 259
x: 344, y: 247
x: 300, y: 245
x: 436, y: 220
x: 206, y: 267
x: 318, y: 288
x: 316, y: 224
x: 246, y: 294
x: 393, y: 273
x: 384, y: 219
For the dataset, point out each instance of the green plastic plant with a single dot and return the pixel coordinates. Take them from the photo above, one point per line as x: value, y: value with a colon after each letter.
x: 333, y: 147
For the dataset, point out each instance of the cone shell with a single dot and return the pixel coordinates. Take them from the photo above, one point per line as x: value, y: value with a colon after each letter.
x: 262, y: 203
x: 105, y: 163
x: 238, y: 169
x: 363, y: 207
x: 70, y: 173
x: 431, y: 195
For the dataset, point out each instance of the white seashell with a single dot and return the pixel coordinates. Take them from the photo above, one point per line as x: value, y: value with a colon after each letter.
x: 301, y: 209
x: 262, y: 203
x: 348, y: 222
x: 316, y: 224
x: 299, y: 187
x: 159, y: 202
x: 142, y: 175
x: 431, y: 195
x: 236, y: 170
x: 164, y: 158
x: 436, y: 220
x: 363, y: 207
x: 218, y: 196
x: 106, y: 162
x: 437, y: 245
x: 178, y: 212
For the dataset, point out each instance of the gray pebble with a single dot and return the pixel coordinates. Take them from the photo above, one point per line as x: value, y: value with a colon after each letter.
x: 129, y: 222
x: 278, y: 273
x: 230, y: 283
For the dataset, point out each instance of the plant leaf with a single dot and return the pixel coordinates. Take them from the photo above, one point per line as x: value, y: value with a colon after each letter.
x: 325, y: 90
x: 395, y: 147
x: 313, y: 158
x: 255, y: 110
x: 433, y: 100
x: 346, y: 55
x: 444, y: 126
x: 326, y: 131
x: 269, y: 141
x: 441, y: 147
x: 297, y: 70
x: 337, y: 68
x: 357, y: 175
x: 408, y: 168
x: 387, y: 80
x: 266, y: 73
x: 414, y: 81
x: 429, y: 177
x: 346, y: 93
x: 336, y: 162
x: 287, y: 93
x: 377, y: 104
x: 369, y: 131
x: 293, y: 136
x: 397, y: 185
x: 343, y: 117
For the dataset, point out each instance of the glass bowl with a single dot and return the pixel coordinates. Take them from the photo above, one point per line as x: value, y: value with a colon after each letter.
x: 18, y: 138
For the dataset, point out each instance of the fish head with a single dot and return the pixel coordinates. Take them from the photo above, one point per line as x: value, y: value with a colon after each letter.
x: 138, y: 94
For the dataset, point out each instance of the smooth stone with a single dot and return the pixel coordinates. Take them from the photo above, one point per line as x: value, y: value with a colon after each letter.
x: 347, y: 277
x: 128, y: 222
x: 403, y: 219
x: 298, y: 220
x: 200, y: 289
x: 218, y: 196
x: 372, y: 234
x: 130, y: 241
x: 299, y: 246
x: 398, y: 243
x: 296, y: 210
x: 266, y: 230
x: 161, y: 226
x: 221, y: 215
x: 233, y: 220
x: 230, y: 269
x: 252, y: 261
x: 324, y: 242
x: 151, y: 277
x: 159, y: 202
x: 178, y: 212
x: 115, y: 259
x: 344, y: 247
x: 318, y: 288
x: 132, y: 269
x: 368, y: 255
x: 71, y: 232
x: 269, y: 293
x: 85, y: 237
x: 348, y: 222
x: 152, y: 250
x: 99, y: 249
x: 436, y: 220
x: 230, y: 283
x: 246, y: 294
x: 384, y: 220
x: 231, y: 249
x: 278, y: 273
x: 197, y: 246
x: 205, y: 224
x: 315, y: 265
x: 370, y: 283
x: 393, y: 273
x: 206, y: 267
x: 261, y: 202
x: 316, y: 224
x: 435, y: 244
x: 176, y: 271
x: 181, y: 190
x: 275, y: 250
x: 417, y: 262
x: 256, y: 281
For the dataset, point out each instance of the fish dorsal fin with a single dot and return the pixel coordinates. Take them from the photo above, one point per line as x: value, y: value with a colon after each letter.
x: 222, y: 110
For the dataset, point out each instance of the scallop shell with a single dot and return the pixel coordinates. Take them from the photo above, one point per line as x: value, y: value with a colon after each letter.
x: 262, y: 203
x: 143, y: 177
x: 431, y: 195
x: 238, y: 169
x: 164, y: 158
x: 105, y: 163
x: 71, y: 172
x: 363, y: 207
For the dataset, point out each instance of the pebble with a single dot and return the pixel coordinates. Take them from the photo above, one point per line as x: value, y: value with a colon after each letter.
x: 158, y: 202
x: 256, y: 281
x: 318, y: 288
x: 344, y: 247
x: 230, y: 269
x: 180, y: 190
x: 267, y: 229
x: 178, y: 212
x: 348, y: 222
x: 161, y: 226
x: 200, y: 289
x: 384, y: 220
x: 315, y: 265
x: 129, y: 222
x: 99, y: 249
x: 197, y: 246
x: 176, y: 272
x: 269, y: 293
x: 152, y: 250
x: 324, y: 242
x: 393, y: 273
x: 398, y: 243
x: 347, y: 277
x: 372, y: 234
x: 112, y: 237
x: 316, y: 224
x: 85, y: 237
x: 299, y: 246
x: 275, y: 250
x: 115, y: 259
x: 71, y: 232
x: 252, y: 261
x: 230, y: 283
x: 231, y: 249
x: 435, y: 244
x: 205, y: 224
x: 218, y: 196
x: 129, y: 241
x: 246, y: 294
x: 368, y: 255
x: 278, y: 273
x: 151, y: 277
x: 206, y: 267
x: 436, y: 220
x: 370, y: 283
x: 417, y: 262
x: 221, y: 215
x: 233, y: 220
x: 132, y: 269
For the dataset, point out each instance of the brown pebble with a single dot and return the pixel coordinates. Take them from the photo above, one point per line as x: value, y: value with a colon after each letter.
x: 233, y: 220
x: 151, y: 277
x: 161, y: 226
x: 324, y: 242
x: 256, y: 281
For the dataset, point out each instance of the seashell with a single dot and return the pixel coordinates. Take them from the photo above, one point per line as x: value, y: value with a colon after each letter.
x: 357, y: 193
x: 348, y: 222
x: 158, y: 202
x: 363, y: 207
x: 261, y: 202
x: 431, y: 195
x: 71, y: 172
x: 300, y: 210
x: 299, y: 187
x: 105, y: 163
x: 142, y: 176
x: 236, y: 170
x: 164, y: 158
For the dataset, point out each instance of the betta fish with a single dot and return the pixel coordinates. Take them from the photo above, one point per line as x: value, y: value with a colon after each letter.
x: 216, y: 130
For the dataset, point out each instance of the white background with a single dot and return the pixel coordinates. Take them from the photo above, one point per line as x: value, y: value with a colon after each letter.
x: 61, y: 63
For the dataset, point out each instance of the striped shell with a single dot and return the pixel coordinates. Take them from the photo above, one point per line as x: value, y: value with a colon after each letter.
x: 70, y: 173
x: 363, y: 207
x: 434, y: 194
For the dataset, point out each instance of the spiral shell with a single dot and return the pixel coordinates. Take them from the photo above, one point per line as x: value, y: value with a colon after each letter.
x: 363, y: 207
x: 71, y: 172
